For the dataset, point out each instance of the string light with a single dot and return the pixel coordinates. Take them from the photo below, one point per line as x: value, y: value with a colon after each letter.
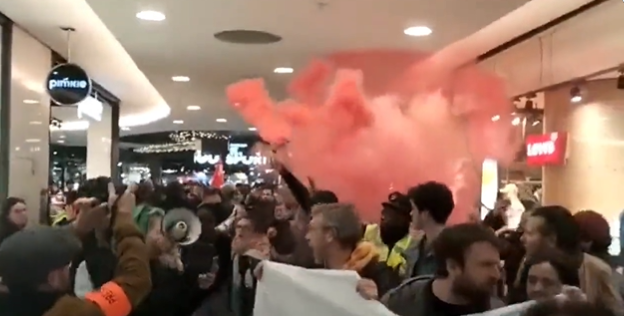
x: 166, y: 148
x: 187, y: 136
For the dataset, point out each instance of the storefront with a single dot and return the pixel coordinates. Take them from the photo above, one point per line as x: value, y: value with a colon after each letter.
x: 30, y: 89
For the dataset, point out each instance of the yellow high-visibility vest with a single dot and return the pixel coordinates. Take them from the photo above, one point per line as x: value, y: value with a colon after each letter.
x: 393, y: 257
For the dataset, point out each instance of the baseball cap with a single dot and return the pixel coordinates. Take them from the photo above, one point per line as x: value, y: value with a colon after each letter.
x: 398, y: 202
x: 28, y: 256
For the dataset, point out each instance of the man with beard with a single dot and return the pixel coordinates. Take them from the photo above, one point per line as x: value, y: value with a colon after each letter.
x: 391, y: 236
x: 468, y: 263
x: 432, y: 204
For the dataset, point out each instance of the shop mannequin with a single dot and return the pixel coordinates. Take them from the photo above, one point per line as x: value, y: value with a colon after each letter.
x: 515, y: 209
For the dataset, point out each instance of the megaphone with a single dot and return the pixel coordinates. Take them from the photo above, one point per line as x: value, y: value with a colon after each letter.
x: 182, y: 226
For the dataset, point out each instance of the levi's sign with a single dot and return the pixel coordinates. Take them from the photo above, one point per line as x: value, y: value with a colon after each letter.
x: 546, y: 149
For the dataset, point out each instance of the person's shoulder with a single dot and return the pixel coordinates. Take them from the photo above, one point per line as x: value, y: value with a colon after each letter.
x: 596, y: 265
x: 70, y: 305
x: 405, y: 293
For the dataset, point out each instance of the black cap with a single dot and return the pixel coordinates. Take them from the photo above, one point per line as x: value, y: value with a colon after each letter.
x: 28, y: 256
x: 398, y: 202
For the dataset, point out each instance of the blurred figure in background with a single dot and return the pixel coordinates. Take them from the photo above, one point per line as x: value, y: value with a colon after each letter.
x: 596, y: 239
x: 14, y: 217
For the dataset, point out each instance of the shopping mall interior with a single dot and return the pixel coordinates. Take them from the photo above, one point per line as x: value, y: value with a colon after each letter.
x: 136, y: 90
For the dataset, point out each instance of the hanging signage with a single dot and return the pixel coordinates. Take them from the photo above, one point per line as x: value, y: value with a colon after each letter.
x: 546, y: 149
x: 234, y: 157
x: 68, y: 84
x: 92, y: 108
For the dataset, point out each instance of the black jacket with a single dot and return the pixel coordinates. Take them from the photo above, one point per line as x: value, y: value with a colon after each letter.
x: 384, y: 277
x: 169, y: 295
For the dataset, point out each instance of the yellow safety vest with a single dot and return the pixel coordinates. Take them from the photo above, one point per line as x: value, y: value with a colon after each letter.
x: 394, y: 257
x: 59, y: 218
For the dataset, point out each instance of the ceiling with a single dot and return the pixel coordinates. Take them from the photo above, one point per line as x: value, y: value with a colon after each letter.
x: 184, y: 43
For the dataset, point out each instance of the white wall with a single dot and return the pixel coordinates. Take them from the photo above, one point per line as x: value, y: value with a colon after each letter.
x: 593, y: 175
x: 99, y: 145
x: 29, y: 133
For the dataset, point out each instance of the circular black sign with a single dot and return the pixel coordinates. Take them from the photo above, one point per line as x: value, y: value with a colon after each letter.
x: 68, y: 84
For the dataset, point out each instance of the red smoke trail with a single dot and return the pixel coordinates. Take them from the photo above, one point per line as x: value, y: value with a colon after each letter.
x: 361, y: 122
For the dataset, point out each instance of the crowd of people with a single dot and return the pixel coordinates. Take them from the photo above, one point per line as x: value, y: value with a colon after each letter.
x: 109, y: 253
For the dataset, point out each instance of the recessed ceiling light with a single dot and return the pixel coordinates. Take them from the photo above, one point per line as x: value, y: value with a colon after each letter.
x: 178, y: 122
x: 193, y: 108
x: 154, y: 16
x: 35, y: 122
x: 31, y: 102
x: 417, y: 31
x: 180, y: 78
x: 60, y: 141
x: 125, y: 128
x: 283, y: 70
x: 33, y: 140
x: 61, y: 136
x: 221, y: 120
x: 253, y: 129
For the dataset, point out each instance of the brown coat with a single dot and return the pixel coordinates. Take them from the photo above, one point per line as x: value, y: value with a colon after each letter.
x: 132, y: 273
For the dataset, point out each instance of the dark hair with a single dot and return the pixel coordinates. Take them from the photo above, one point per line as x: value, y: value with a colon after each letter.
x: 260, y: 213
x: 566, y: 270
x: 494, y: 220
x: 435, y: 198
x: 454, y: 241
x: 7, y: 228
x: 594, y: 228
x: 560, y: 223
x: 323, y: 197
x: 556, y: 307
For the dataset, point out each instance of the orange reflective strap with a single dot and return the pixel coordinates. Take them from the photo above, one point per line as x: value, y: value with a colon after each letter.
x: 111, y: 299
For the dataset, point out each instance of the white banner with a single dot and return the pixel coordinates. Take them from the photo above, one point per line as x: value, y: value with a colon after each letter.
x: 287, y: 290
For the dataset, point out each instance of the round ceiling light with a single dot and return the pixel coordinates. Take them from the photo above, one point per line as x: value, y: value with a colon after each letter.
x: 249, y: 37
x: 193, y: 108
x: 178, y: 122
x: 253, y: 129
x: 149, y: 15
x: 417, y: 31
x: 283, y: 70
x: 180, y: 78
x: 221, y: 120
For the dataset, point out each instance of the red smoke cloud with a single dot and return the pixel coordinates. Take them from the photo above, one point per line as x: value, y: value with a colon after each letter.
x: 364, y: 123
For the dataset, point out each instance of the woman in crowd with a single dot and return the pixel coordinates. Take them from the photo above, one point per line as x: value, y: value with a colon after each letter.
x: 555, y: 227
x: 14, y: 217
x: 543, y: 276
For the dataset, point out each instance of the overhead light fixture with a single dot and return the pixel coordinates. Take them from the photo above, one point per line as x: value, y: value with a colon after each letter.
x: 61, y: 136
x: 283, y: 70
x: 495, y: 118
x: 193, y: 108
x: 221, y: 120
x: 536, y: 122
x: 31, y: 101
x: 60, y: 141
x: 149, y: 15
x: 253, y: 129
x: 178, y: 122
x: 35, y: 123
x: 515, y: 121
x: 33, y: 140
x: 417, y: 31
x: 575, y: 95
x: 180, y: 79
x: 125, y: 128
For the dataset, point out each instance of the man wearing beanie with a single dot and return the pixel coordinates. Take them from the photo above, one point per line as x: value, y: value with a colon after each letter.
x: 34, y: 265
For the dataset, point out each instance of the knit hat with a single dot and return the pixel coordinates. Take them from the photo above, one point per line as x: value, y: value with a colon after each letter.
x: 28, y: 256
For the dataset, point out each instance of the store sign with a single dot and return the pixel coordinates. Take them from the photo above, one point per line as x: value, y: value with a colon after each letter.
x: 546, y: 149
x: 68, y: 84
x: 234, y: 157
x: 92, y: 108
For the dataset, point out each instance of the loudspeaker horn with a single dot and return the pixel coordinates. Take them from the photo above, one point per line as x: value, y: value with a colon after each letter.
x: 182, y: 226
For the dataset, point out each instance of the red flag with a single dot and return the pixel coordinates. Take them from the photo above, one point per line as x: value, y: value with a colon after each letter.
x: 218, y: 179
